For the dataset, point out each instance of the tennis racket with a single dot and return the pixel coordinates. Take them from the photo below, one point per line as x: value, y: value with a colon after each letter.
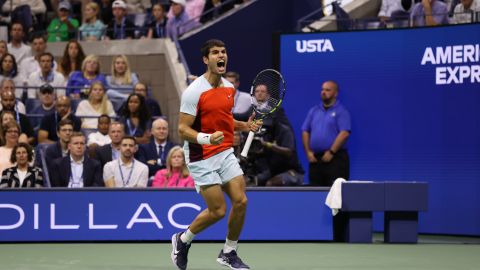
x: 267, y: 92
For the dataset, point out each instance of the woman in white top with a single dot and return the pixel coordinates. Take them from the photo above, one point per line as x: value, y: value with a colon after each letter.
x: 22, y: 175
x: 92, y: 28
x: 96, y: 104
x: 10, y: 132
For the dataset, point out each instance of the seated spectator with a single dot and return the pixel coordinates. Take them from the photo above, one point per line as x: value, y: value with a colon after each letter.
x: 22, y: 175
x: 154, y: 153
x: 101, y: 137
x: 194, y: 9
x: 137, y: 11
x: 36, y: 8
x: 152, y: 104
x: 120, y: 27
x: 126, y: 171
x: 242, y: 108
x: 92, y: 27
x: 386, y: 10
x: 64, y: 27
x: 180, y: 18
x: 429, y: 13
x: 97, y: 104
x: 176, y: 174
x: 5, y: 117
x: 72, y: 58
x: 136, y: 118
x: 9, y: 70
x: 8, y: 85
x: 465, y: 11
x: 8, y: 104
x: 156, y: 29
x: 76, y: 170
x: 31, y: 64
x: 50, y: 123
x: 60, y: 148
x: 3, y: 48
x: 47, y: 106
x: 11, y: 132
x: 80, y: 81
x: 111, y: 151
x: 121, y: 78
x: 46, y: 75
x: 16, y: 46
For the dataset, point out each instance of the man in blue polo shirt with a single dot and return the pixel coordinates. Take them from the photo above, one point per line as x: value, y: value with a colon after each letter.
x: 324, y: 134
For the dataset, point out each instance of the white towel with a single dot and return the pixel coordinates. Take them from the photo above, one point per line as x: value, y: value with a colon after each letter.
x: 334, y: 197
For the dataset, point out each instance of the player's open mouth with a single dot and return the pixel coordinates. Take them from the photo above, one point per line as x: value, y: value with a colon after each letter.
x: 221, y: 64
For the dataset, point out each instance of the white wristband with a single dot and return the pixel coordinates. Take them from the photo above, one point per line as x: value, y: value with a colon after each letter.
x: 203, y: 138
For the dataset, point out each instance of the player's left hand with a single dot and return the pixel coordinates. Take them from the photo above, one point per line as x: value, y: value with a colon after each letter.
x: 254, y: 125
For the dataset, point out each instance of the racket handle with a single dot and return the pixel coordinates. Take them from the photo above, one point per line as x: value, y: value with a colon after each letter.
x: 248, y: 142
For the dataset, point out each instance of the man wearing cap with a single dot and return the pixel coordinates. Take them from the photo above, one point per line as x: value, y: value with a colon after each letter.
x: 46, y: 75
x: 180, y: 17
x: 120, y: 27
x: 46, y: 106
x: 62, y: 28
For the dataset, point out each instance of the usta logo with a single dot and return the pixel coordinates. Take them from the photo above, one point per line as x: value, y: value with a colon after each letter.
x: 314, y: 45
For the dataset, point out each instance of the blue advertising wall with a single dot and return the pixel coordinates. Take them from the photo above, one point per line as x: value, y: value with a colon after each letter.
x: 152, y: 214
x: 414, y: 98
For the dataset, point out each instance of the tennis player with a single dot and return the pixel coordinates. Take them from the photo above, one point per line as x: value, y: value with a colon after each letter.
x: 206, y: 124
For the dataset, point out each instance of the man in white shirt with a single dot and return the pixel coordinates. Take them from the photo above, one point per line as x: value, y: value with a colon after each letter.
x: 9, y: 85
x: 31, y: 64
x: 126, y: 171
x: 465, y: 11
x: 16, y: 45
x: 242, y: 107
x: 46, y: 74
x: 101, y: 137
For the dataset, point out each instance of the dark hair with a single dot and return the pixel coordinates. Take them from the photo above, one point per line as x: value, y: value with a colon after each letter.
x: 65, y: 64
x: 105, y: 116
x: 143, y: 111
x: 127, y: 137
x: 13, y: 156
x: 14, y: 71
x: 210, y: 44
x: 37, y: 36
x: 233, y: 74
x: 64, y: 122
x: 48, y: 54
x: 77, y: 134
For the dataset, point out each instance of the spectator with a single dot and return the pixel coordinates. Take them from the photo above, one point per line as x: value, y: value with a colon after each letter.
x: 242, y: 108
x: 176, y: 173
x: 9, y: 70
x: 76, y: 170
x: 72, y: 59
x: 324, y: 134
x: 60, y: 148
x: 194, y: 9
x: 152, y: 104
x: 96, y: 105
x: 32, y: 63
x: 64, y: 27
x: 16, y: 45
x: 465, y: 11
x: 11, y: 132
x: 111, y: 151
x: 154, y: 153
x: 120, y: 27
x: 121, y: 78
x: 47, y: 105
x: 80, y: 81
x: 5, y: 117
x: 3, y: 48
x: 50, y: 123
x: 37, y: 7
x: 7, y: 84
x: 137, y: 11
x: 386, y: 10
x: 46, y: 75
x: 126, y: 171
x: 429, y: 13
x: 8, y: 104
x: 101, y: 137
x: 92, y: 27
x: 180, y: 18
x: 136, y: 118
x: 156, y: 29
x: 22, y: 175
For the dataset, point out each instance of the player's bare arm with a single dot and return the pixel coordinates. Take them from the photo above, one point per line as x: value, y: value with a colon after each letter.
x: 187, y: 133
x: 250, y: 125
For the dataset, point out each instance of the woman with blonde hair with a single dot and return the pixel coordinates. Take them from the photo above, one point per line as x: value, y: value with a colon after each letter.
x: 92, y: 28
x: 96, y: 104
x: 121, y: 81
x: 176, y: 173
x: 79, y: 81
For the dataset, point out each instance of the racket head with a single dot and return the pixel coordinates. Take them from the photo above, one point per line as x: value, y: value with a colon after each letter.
x: 267, y: 92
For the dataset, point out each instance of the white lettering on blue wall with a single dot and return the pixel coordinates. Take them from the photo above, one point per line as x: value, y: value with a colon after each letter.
x: 314, y: 45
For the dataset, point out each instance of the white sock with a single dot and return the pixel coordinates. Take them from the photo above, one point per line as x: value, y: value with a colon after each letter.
x: 230, y: 246
x: 187, y: 237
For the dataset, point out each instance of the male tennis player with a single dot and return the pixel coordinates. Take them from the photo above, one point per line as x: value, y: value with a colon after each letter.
x: 206, y: 124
